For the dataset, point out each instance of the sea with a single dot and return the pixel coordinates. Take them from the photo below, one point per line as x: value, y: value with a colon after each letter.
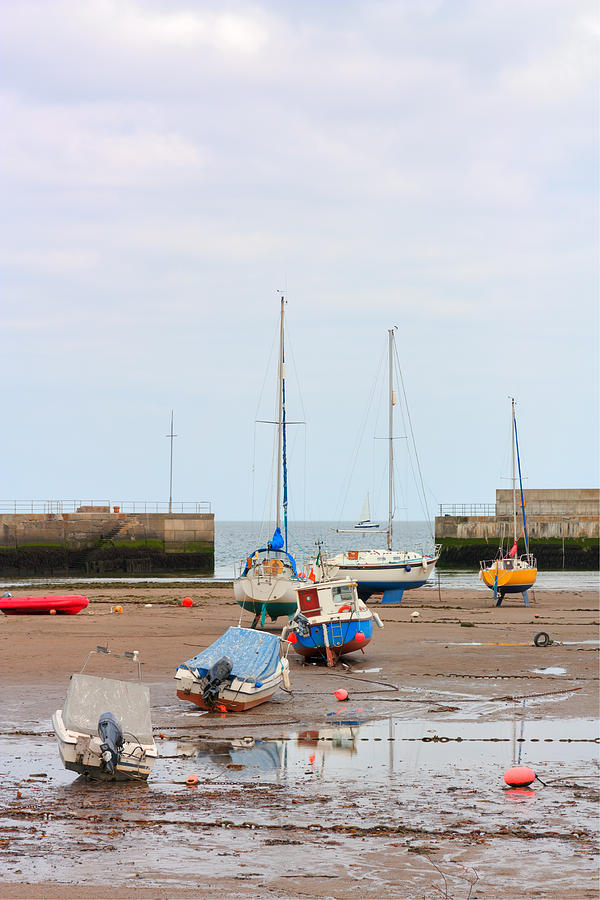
x: 235, y: 541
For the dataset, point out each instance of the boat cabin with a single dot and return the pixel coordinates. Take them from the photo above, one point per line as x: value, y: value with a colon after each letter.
x: 329, y: 598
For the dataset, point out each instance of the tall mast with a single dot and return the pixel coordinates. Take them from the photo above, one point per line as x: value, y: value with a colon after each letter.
x: 514, y: 474
x: 391, y: 443
x: 171, y: 435
x: 279, y: 417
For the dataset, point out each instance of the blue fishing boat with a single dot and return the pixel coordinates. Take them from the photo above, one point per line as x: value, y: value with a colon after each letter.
x: 331, y: 620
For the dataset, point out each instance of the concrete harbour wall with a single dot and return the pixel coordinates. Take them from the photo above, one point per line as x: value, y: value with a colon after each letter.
x: 562, y: 526
x: 94, y: 540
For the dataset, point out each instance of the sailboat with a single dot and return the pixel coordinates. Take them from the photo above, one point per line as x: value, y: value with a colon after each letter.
x: 365, y: 516
x: 389, y: 571
x: 511, y: 573
x: 269, y: 575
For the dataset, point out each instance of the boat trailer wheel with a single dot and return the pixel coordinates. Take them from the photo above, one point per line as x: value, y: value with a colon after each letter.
x: 542, y: 639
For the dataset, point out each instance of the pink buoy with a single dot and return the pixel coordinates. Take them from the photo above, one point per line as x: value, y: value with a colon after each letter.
x: 519, y: 776
x: 341, y: 694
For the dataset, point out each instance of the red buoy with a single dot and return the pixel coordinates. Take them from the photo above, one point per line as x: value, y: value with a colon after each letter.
x: 187, y: 601
x: 519, y: 776
x: 359, y: 637
x: 292, y: 639
x: 341, y: 694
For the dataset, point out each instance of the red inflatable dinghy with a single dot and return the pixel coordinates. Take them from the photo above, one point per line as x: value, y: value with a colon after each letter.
x: 21, y: 606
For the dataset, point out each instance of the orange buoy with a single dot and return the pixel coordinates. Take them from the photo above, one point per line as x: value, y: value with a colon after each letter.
x: 52, y: 612
x: 359, y: 637
x: 118, y: 610
x: 292, y: 638
x: 312, y: 758
x: 191, y: 780
x: 341, y: 694
x: 519, y: 776
x: 187, y: 601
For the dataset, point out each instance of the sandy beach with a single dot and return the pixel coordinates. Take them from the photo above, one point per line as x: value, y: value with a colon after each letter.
x: 398, y: 792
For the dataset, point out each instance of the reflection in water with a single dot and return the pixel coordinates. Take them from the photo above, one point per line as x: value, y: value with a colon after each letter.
x: 331, y: 739
x: 459, y: 751
x: 245, y: 752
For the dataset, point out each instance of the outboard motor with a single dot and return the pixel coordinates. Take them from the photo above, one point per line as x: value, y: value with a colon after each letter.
x: 112, y: 741
x: 217, y: 674
x: 301, y: 624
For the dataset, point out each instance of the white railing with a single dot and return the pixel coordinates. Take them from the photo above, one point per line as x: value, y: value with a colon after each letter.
x: 57, y: 507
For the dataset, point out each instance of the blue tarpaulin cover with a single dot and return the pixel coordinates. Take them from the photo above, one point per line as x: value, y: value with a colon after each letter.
x: 254, y: 654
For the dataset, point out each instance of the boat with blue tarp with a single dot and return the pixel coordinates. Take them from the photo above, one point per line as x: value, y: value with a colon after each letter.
x: 241, y: 669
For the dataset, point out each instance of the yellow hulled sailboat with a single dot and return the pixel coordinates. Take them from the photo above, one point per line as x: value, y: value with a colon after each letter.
x: 511, y: 573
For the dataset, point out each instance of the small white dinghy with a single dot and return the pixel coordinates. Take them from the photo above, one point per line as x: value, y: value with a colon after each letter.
x: 104, y: 729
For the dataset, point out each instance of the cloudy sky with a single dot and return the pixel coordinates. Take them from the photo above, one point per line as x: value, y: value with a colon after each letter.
x: 168, y: 167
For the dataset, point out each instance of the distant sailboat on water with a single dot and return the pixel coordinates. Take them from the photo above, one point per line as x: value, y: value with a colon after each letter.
x: 365, y: 516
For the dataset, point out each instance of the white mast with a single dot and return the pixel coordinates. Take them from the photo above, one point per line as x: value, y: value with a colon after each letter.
x: 279, y: 417
x: 391, y: 443
x: 514, y: 476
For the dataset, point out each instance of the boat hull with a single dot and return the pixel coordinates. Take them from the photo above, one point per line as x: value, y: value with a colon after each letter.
x: 236, y: 696
x: 341, y: 637
x: 80, y: 753
x: 374, y: 579
x: 509, y: 582
x: 267, y: 596
x: 35, y: 606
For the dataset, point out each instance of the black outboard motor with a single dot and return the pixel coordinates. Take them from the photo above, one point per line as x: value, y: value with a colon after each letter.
x: 112, y: 741
x: 217, y: 674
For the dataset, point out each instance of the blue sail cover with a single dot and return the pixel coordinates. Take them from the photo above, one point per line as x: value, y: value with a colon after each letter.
x: 277, y: 539
x: 254, y: 654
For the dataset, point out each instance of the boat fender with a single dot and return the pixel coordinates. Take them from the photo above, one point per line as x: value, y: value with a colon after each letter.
x: 359, y: 637
x: 285, y: 677
x: 542, y: 639
x: 407, y: 568
x: 377, y: 620
x: 519, y: 776
x: 344, y: 608
x: 424, y: 562
x: 341, y: 694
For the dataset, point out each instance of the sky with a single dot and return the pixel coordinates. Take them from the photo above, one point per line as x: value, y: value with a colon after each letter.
x: 169, y: 168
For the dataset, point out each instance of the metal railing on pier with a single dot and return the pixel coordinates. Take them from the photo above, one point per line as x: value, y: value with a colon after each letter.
x: 467, y: 509
x: 58, y: 507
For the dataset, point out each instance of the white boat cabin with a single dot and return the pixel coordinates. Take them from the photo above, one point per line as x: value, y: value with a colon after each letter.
x: 330, y: 598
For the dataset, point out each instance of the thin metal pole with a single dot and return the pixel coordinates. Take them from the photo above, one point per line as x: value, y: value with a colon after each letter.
x: 171, y: 435
x: 391, y: 443
x: 514, y: 476
x: 279, y: 417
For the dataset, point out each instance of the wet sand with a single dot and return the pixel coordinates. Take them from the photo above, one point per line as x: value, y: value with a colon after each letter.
x: 398, y: 792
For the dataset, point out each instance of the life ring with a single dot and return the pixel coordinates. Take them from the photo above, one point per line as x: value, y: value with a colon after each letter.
x: 352, y: 554
x: 344, y: 608
x: 273, y: 566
